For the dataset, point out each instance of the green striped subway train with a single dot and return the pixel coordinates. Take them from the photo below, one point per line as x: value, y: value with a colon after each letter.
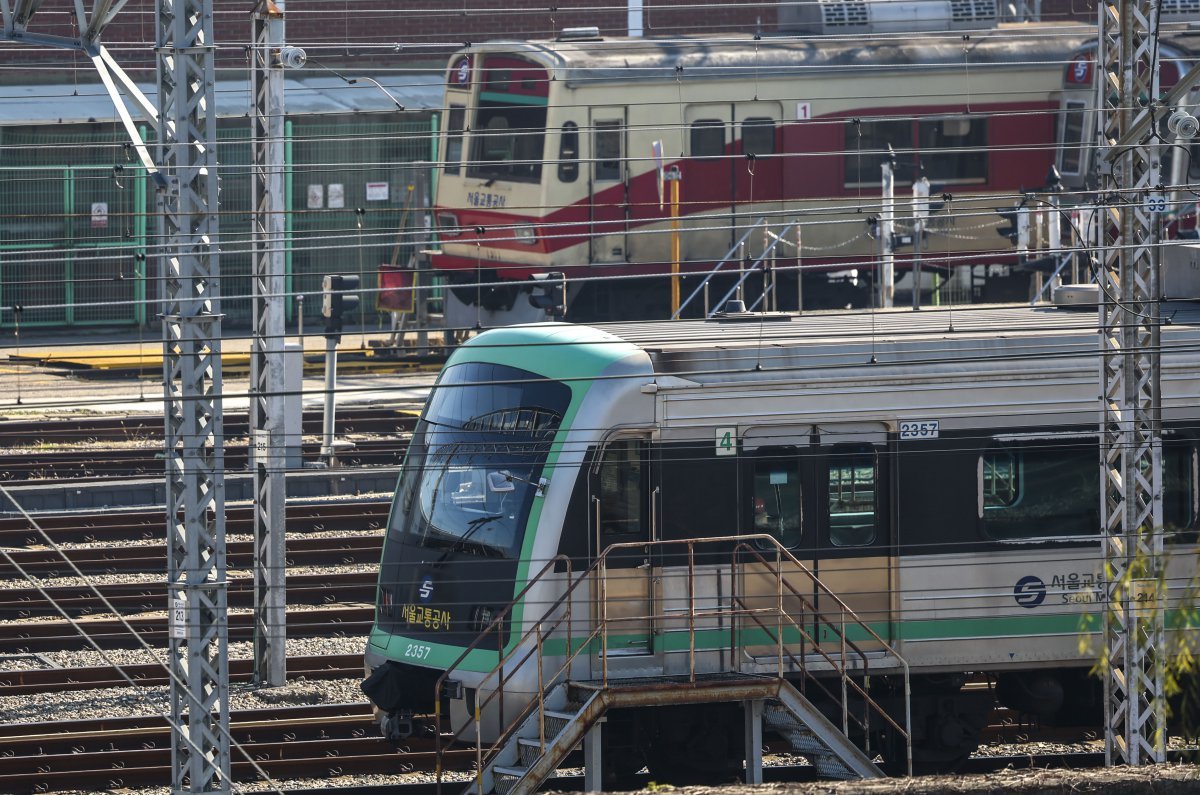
x: 775, y: 494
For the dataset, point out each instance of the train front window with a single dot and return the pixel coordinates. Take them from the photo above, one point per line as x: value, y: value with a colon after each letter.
x: 508, y: 128
x: 507, y: 141
x: 477, y: 459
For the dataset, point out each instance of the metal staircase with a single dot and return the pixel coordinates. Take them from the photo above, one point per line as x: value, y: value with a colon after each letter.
x: 814, y: 737
x: 529, y: 757
x: 777, y: 660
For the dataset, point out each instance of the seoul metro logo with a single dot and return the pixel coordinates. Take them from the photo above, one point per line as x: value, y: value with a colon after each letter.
x: 1029, y: 591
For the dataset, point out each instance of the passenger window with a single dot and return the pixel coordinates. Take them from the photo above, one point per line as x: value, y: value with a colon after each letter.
x: 568, y: 152
x: 622, y: 478
x: 607, y: 149
x: 867, y: 144
x: 708, y: 138
x: 852, y: 487
x: 778, y: 500
x: 954, y: 149
x: 758, y: 136
x: 1040, y: 488
x: 1179, y: 485
x: 454, y: 140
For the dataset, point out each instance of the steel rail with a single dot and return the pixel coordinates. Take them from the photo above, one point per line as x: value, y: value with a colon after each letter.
x: 146, y: 559
x: 147, y: 524
x: 82, y: 600
x: 40, y: 636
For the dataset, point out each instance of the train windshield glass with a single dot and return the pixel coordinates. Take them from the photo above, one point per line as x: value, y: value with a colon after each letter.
x: 508, y: 132
x: 481, y: 447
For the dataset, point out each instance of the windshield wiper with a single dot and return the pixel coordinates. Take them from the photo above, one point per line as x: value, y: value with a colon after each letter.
x: 472, y: 527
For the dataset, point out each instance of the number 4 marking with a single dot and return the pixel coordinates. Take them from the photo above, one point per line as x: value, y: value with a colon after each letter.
x: 726, y: 441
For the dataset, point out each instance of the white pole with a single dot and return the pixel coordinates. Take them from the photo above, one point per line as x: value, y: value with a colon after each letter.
x: 887, y: 223
x: 635, y: 18
x: 920, y: 192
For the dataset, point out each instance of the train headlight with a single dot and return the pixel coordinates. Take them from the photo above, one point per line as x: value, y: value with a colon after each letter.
x: 525, y: 234
x: 448, y: 225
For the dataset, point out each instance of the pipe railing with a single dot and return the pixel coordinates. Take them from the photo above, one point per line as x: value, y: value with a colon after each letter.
x: 752, y: 269
x: 730, y: 254
x: 740, y: 614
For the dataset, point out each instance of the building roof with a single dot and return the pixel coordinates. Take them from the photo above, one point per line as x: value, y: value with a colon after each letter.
x: 305, y: 94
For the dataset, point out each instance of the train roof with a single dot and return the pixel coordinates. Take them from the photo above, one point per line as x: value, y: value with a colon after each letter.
x: 760, y: 346
x: 739, y: 56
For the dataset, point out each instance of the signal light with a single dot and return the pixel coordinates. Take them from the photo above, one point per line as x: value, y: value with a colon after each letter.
x: 339, y: 297
x: 1017, y: 225
x: 551, y: 294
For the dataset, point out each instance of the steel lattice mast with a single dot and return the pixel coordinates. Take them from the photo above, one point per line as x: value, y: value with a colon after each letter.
x: 190, y: 271
x: 1131, y: 478
x: 267, y: 365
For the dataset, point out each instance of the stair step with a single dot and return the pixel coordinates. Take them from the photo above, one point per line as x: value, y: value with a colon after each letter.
x: 529, y: 750
x: 505, y: 778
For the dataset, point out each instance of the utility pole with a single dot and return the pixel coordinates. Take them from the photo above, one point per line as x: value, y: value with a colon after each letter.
x: 194, y: 434
x: 1131, y: 456
x: 266, y: 362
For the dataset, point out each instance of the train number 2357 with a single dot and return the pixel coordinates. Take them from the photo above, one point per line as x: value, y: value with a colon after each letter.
x: 418, y: 651
x: 927, y: 429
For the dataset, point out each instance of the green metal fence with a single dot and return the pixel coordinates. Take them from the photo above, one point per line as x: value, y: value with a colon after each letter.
x: 77, y: 216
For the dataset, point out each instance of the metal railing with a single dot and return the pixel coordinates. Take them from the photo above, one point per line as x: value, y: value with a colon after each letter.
x: 734, y: 252
x: 749, y: 626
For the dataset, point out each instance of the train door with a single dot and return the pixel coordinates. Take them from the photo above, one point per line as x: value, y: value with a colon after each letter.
x: 623, y: 512
x: 777, y: 476
x: 609, y: 188
x: 853, y: 538
x: 707, y: 186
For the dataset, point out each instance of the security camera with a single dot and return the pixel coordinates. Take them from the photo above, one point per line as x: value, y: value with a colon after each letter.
x: 1183, y: 124
x: 292, y: 57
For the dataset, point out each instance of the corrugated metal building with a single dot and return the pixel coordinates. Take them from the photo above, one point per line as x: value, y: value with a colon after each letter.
x: 77, y: 222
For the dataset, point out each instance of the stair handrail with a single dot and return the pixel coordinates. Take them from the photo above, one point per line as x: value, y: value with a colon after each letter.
x: 752, y: 269
x: 495, y: 626
x: 598, y: 569
x: 720, y: 264
x: 846, y: 680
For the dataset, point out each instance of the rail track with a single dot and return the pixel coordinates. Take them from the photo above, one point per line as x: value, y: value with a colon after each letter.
x: 147, y: 524
x: 287, y: 742
x: 61, y: 680
x: 83, y: 449
x: 301, y: 742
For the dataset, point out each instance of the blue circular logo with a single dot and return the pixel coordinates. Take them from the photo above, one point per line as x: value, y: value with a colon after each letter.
x: 1029, y: 591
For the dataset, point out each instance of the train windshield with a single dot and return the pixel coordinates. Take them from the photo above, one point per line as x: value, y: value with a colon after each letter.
x: 509, y: 129
x: 478, y: 457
